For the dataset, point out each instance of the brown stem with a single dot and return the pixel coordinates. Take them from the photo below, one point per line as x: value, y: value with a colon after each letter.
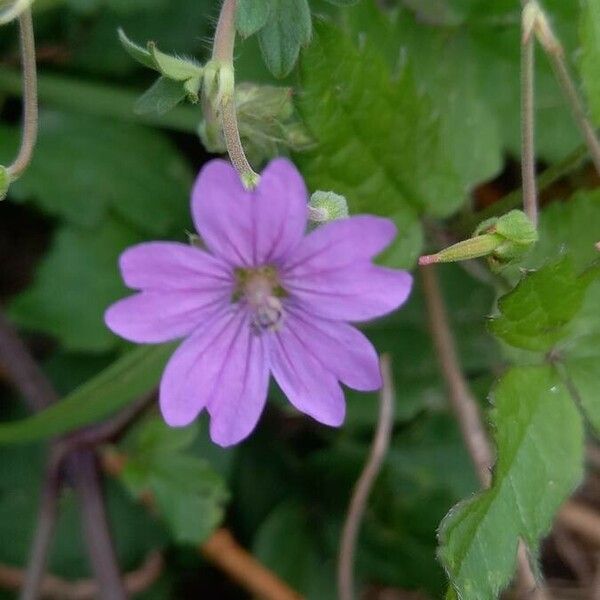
x: 466, y: 410
x: 95, y: 525
x: 222, y: 550
x: 46, y: 523
x: 56, y: 588
x: 365, y: 482
x: 39, y: 393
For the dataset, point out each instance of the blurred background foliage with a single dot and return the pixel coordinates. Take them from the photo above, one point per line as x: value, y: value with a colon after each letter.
x: 410, y: 112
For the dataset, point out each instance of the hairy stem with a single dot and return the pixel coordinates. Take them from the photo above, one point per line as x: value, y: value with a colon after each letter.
x: 30, y: 101
x: 556, y: 54
x: 364, y: 484
x: 223, y: 46
x: 530, y: 201
x: 466, y: 410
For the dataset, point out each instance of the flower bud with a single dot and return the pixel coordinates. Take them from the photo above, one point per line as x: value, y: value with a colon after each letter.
x: 267, y: 122
x: 327, y: 206
x: 501, y: 239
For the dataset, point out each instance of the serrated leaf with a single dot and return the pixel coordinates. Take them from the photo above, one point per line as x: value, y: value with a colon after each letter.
x: 540, y: 452
x: 288, y: 27
x: 378, y: 143
x: 78, y: 172
x: 132, y: 375
x: 189, y: 495
x: 162, y: 96
x: 535, y: 315
x: 251, y: 16
x: 589, y: 25
x: 74, y: 284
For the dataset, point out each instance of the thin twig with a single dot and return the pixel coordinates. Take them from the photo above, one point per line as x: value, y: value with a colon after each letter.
x: 39, y: 393
x: 556, y: 54
x: 364, y: 484
x: 530, y: 201
x: 95, y: 525
x: 466, y: 410
x: 222, y: 550
x: 223, y: 54
x: 30, y: 101
x: 57, y: 588
x: 44, y: 532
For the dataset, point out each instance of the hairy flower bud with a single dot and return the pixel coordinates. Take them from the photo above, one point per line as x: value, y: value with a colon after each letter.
x: 327, y: 206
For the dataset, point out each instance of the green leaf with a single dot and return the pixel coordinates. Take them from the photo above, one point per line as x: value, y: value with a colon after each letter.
x: 540, y: 453
x: 572, y: 228
x: 189, y: 495
x: 378, y: 143
x: 164, y: 95
x: 251, y: 16
x: 590, y: 54
x: 288, y: 27
x: 78, y: 172
x: 535, y: 315
x: 74, y: 284
x: 134, y: 374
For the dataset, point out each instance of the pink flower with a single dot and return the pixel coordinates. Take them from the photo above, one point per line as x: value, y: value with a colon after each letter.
x: 265, y: 298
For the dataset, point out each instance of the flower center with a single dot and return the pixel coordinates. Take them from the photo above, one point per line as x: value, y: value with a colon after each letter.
x: 261, y: 290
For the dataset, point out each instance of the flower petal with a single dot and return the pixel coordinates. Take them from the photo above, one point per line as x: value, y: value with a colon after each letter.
x: 339, y: 347
x: 340, y: 244
x: 162, y: 265
x: 221, y: 209
x: 160, y: 316
x: 280, y: 211
x: 222, y: 367
x: 186, y: 384
x: 241, y: 392
x: 250, y: 227
x: 309, y: 386
x: 355, y: 293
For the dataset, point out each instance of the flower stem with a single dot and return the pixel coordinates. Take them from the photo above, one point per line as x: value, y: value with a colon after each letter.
x: 364, y: 484
x: 530, y: 200
x: 30, y: 101
x: 556, y: 54
x: 223, y: 54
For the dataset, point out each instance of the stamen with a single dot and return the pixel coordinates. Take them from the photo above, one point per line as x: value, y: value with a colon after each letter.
x: 261, y: 289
